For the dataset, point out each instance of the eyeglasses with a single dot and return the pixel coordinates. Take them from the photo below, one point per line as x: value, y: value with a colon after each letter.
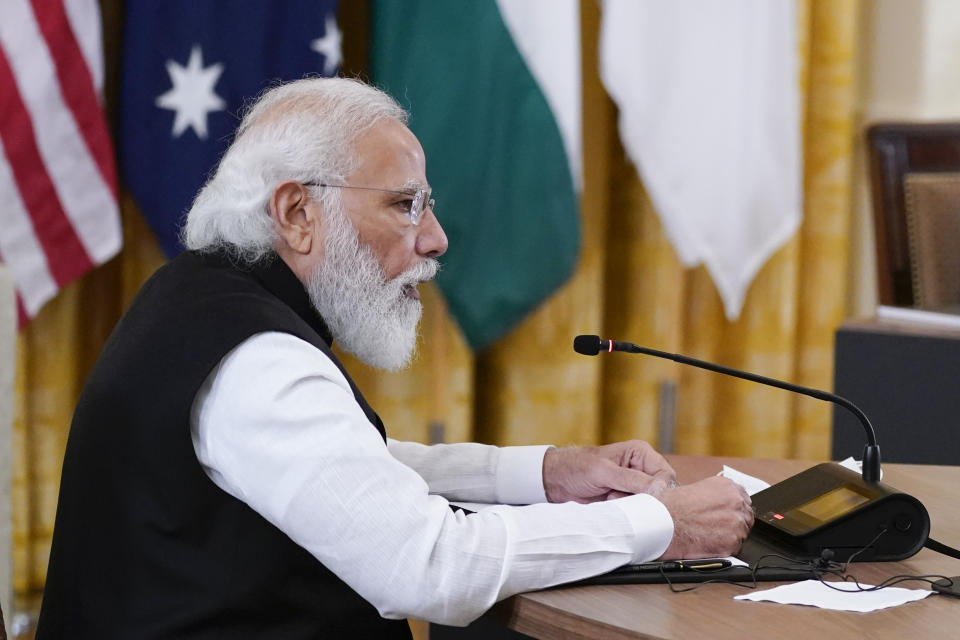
x: 420, y: 199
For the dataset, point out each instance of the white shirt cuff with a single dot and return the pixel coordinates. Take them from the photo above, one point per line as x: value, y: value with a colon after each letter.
x: 651, y: 522
x: 519, y: 475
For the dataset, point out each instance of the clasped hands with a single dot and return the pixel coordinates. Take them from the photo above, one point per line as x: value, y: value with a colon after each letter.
x: 711, y: 517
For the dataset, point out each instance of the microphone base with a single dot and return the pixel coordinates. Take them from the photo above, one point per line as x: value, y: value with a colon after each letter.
x: 831, y: 507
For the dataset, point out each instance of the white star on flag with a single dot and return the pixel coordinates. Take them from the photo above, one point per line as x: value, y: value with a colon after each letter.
x: 329, y: 46
x: 192, y: 95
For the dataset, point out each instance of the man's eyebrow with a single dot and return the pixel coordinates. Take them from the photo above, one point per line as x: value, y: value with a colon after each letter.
x: 413, y: 185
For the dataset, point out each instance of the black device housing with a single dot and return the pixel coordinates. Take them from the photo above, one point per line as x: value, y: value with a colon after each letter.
x: 784, y: 520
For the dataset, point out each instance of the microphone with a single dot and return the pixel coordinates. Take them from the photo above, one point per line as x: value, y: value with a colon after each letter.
x: 592, y: 345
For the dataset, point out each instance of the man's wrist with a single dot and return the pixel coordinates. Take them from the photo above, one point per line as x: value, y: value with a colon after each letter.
x: 554, y: 462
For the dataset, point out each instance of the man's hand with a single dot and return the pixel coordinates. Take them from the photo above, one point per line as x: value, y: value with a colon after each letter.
x: 590, y: 474
x: 711, y: 518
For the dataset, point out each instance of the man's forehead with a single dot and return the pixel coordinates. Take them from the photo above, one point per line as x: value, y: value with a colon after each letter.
x: 391, y: 153
x: 390, y: 135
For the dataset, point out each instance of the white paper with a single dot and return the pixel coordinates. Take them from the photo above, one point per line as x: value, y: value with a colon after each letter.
x: 750, y: 484
x: 855, y: 465
x: 919, y: 316
x: 816, y: 594
x: 754, y: 485
x: 736, y: 562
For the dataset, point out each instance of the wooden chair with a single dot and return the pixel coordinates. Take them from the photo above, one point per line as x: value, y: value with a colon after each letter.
x: 915, y: 180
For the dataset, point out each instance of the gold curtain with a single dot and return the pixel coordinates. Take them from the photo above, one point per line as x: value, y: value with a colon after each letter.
x: 530, y: 387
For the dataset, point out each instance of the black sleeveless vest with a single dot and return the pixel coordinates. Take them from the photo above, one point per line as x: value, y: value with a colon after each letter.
x: 145, y: 545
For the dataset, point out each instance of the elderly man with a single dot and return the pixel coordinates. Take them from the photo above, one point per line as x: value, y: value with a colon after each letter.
x: 224, y: 477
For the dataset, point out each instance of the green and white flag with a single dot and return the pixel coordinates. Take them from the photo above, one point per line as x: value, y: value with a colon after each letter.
x: 494, y: 93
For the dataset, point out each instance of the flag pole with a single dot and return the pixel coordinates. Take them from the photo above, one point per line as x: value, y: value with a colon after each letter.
x: 438, y: 352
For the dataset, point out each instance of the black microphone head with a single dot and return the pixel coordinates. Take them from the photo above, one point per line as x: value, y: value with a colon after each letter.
x: 587, y: 345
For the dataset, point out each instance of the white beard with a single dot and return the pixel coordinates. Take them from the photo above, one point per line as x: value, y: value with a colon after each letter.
x: 367, y: 315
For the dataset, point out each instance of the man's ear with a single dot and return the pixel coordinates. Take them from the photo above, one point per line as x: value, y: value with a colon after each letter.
x: 293, y: 220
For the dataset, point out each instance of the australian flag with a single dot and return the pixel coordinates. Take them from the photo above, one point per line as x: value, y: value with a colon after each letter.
x: 189, y: 66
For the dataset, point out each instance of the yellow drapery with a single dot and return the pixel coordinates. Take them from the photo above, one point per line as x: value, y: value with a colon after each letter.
x: 530, y: 387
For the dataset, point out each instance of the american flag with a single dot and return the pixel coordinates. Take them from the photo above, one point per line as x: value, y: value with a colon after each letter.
x: 58, y: 189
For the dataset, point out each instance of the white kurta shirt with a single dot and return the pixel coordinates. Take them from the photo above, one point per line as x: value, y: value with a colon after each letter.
x: 276, y: 426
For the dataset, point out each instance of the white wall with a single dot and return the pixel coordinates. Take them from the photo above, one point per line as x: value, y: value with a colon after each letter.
x: 910, y: 71
x: 941, y: 71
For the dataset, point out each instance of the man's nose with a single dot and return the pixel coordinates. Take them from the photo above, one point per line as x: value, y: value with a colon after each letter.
x: 431, y: 239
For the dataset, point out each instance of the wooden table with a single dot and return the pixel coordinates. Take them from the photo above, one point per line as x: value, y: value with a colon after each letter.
x: 653, y: 611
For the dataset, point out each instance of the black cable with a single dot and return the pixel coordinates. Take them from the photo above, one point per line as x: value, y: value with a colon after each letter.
x: 798, y: 566
x: 820, y: 568
x: 939, y: 547
x: 862, y: 549
x: 889, y: 582
x: 676, y: 589
x: 840, y: 571
x: 928, y: 578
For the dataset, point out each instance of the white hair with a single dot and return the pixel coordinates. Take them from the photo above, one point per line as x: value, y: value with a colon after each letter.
x: 305, y: 130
